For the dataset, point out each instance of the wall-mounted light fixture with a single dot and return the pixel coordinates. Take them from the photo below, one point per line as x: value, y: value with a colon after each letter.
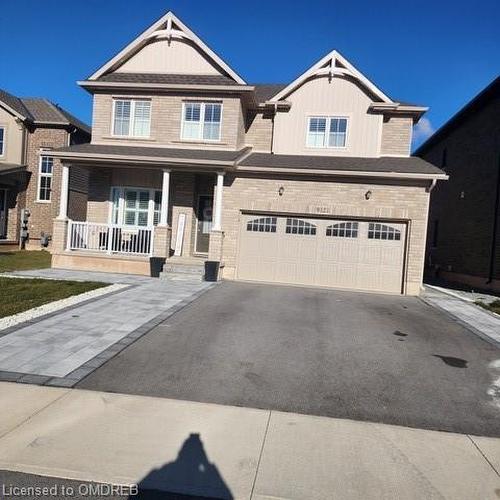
x: 368, y: 195
x: 281, y: 190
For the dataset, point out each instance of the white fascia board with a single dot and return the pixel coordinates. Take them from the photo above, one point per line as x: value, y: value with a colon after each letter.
x: 332, y: 56
x: 143, y: 38
x: 344, y: 173
x: 64, y: 155
x: 167, y: 86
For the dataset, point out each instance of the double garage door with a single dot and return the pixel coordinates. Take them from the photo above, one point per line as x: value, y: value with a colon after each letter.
x: 354, y: 254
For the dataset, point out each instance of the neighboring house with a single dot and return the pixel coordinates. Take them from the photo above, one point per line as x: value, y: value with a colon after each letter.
x: 29, y: 176
x: 463, y: 245
x: 305, y: 183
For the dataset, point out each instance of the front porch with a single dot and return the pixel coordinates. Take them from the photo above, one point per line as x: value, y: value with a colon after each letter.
x: 137, y: 218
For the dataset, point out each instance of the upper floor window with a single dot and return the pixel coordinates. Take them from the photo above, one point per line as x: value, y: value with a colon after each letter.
x: 132, y: 117
x: 326, y: 132
x: 201, y: 121
x: 2, y: 140
x: 45, y: 171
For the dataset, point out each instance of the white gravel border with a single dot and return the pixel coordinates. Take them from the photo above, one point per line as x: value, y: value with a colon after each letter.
x: 51, y: 307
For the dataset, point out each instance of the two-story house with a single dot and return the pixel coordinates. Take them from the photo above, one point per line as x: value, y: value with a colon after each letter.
x: 29, y: 176
x: 306, y: 183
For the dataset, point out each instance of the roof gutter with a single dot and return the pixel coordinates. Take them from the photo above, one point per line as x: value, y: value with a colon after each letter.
x: 87, y: 84
x: 344, y: 173
x: 149, y: 160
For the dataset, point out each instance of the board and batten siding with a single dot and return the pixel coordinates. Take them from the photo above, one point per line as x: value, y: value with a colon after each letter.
x: 13, y: 138
x: 175, y: 57
x: 321, y: 97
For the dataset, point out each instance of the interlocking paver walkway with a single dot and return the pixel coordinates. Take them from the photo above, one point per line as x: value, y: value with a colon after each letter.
x: 60, y: 344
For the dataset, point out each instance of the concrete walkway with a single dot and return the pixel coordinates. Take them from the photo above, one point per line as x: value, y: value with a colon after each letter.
x: 231, y: 452
x: 65, y: 347
x: 461, y: 306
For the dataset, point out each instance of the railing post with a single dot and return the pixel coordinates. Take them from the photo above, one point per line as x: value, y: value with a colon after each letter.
x: 110, y: 240
x: 151, y: 241
x: 69, y: 235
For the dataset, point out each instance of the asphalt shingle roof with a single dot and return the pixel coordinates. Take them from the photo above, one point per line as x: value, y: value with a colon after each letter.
x: 264, y: 91
x: 38, y: 110
x: 407, y: 165
x: 163, y: 78
x: 180, y: 153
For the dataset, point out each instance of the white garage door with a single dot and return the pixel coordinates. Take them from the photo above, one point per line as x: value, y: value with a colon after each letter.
x: 363, y: 255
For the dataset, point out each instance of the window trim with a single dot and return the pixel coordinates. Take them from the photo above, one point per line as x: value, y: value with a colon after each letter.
x: 202, y: 120
x: 40, y: 175
x: 121, y: 206
x: 328, y: 118
x: 132, y: 117
x: 4, y: 141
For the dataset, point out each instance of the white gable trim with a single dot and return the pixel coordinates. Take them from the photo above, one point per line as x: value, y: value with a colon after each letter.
x: 157, y: 31
x: 327, y: 65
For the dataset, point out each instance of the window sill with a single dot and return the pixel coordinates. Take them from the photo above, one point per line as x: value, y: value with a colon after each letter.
x: 128, y: 138
x: 45, y: 202
x: 204, y: 143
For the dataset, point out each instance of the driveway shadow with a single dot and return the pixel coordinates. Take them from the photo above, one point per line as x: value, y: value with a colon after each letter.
x: 191, y: 472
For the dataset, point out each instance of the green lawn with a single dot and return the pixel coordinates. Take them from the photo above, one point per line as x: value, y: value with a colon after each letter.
x: 492, y: 306
x: 23, y: 259
x: 19, y: 294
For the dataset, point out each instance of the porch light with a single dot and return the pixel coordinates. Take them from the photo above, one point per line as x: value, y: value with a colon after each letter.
x: 281, y: 190
x: 368, y: 195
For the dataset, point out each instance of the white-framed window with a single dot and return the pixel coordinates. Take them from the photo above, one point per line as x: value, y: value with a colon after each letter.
x: 45, y: 171
x: 201, y: 121
x: 2, y: 141
x: 299, y: 226
x: 327, y: 132
x: 132, y: 117
x: 383, y: 232
x: 132, y: 206
x: 262, y: 225
x: 343, y: 230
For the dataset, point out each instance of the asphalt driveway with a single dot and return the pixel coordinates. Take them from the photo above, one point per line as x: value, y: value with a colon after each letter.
x: 380, y: 358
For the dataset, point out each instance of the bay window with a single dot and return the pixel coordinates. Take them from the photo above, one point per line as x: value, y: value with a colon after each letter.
x: 326, y: 132
x: 132, y: 117
x: 201, y: 121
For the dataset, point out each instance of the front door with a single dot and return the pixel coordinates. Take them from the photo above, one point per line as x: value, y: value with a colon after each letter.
x: 3, y: 213
x: 204, y: 223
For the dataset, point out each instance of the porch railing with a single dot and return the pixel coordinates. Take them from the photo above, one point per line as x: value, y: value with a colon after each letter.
x: 110, y: 238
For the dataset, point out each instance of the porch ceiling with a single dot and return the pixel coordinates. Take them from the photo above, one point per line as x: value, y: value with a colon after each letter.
x: 90, y: 153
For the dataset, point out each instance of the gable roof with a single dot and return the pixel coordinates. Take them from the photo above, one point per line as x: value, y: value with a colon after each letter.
x: 40, y: 111
x: 168, y: 26
x: 491, y: 92
x: 333, y: 64
x: 264, y: 91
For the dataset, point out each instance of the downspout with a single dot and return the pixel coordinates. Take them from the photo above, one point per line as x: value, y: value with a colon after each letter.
x: 491, y: 270
x: 272, y: 127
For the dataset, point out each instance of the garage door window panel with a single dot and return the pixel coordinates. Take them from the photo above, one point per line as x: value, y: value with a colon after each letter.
x: 299, y: 226
x: 343, y: 230
x: 383, y: 232
x: 262, y: 225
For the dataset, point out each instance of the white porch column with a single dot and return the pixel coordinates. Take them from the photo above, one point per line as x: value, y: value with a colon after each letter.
x: 63, y: 204
x: 218, y: 202
x: 165, y: 189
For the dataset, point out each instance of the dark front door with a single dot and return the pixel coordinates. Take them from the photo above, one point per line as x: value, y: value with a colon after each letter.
x: 3, y: 213
x: 204, y: 223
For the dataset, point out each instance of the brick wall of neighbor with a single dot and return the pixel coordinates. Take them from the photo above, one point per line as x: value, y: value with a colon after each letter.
x: 166, y: 111
x: 396, y: 136
x: 409, y: 202
x: 464, y: 205
x: 259, y: 131
x: 43, y: 213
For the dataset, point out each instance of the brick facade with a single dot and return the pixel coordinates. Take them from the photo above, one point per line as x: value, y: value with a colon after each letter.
x: 463, y: 208
x: 396, y: 136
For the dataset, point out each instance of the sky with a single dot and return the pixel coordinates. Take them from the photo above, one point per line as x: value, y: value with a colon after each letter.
x: 437, y: 53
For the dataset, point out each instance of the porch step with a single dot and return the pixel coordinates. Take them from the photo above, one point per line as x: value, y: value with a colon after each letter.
x: 178, y: 271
